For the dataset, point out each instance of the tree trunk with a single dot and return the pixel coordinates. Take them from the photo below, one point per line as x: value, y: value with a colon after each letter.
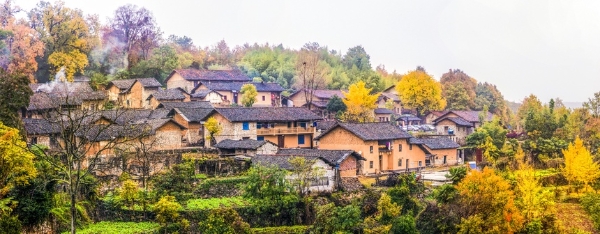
x: 73, y: 212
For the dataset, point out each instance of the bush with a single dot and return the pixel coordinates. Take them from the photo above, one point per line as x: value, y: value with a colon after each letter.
x: 591, y: 204
x: 120, y: 227
x: 223, y: 221
x: 281, y: 230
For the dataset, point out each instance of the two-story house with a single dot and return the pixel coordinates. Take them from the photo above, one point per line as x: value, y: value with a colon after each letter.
x: 193, y: 120
x: 287, y: 127
x: 384, y: 146
x: 132, y: 93
x: 317, y: 98
x: 268, y: 94
x: 167, y: 95
x: 188, y: 79
x: 459, y: 124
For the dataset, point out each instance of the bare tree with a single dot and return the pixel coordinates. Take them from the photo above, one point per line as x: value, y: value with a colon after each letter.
x: 138, y: 27
x: 311, y: 71
x: 84, y: 137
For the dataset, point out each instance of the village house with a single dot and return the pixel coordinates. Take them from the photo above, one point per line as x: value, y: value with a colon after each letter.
x: 268, y: 94
x: 192, y: 105
x: 213, y: 97
x: 188, y: 79
x: 287, y: 127
x: 58, y: 96
x: 42, y: 132
x: 438, y: 151
x: 383, y: 115
x: 132, y: 93
x: 384, y: 146
x: 331, y: 165
x: 432, y: 116
x: 390, y: 95
x: 193, y: 119
x: 167, y: 95
x: 459, y: 124
x: 246, y: 147
x: 319, y: 97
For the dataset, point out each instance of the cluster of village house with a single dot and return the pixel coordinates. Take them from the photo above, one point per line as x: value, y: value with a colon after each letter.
x: 273, y: 130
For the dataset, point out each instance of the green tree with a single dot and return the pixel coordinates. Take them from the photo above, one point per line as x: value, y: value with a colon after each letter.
x: 249, y: 93
x: 15, y: 95
x: 266, y: 183
x: 336, y: 105
x: 459, y: 90
x: 177, y: 181
x: 337, y: 219
x: 360, y: 103
x: 593, y: 105
x: 224, y: 221
x: 420, y: 91
x: 304, y: 173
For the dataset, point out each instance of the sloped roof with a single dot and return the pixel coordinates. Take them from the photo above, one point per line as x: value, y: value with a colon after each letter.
x: 325, y: 124
x: 240, y: 144
x: 435, y: 143
x: 408, y: 117
x: 457, y: 120
x: 201, y: 93
x: 228, y: 86
x: 471, y: 116
x: 40, y: 127
x: 267, y: 114
x: 323, y: 93
x: 194, y: 104
x: 193, y: 114
x: 52, y: 95
x: 331, y: 157
x: 210, y: 75
x: 149, y: 82
x: 168, y: 94
x: 121, y: 84
x: 383, y: 111
x: 280, y: 161
x: 41, y: 101
x: 129, y: 116
x: 157, y: 123
x: 392, y: 96
x: 371, y: 131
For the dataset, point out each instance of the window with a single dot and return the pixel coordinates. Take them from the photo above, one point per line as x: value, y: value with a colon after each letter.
x: 259, y: 125
x: 289, y: 124
x: 263, y: 97
x: 245, y: 126
x: 303, y: 125
x: 300, y: 139
x: 410, y: 147
x: 399, y: 147
x: 34, y: 140
x: 420, y: 163
x: 370, y: 164
x: 245, y: 138
x: 399, y: 162
x: 225, y: 98
x: 371, y: 149
x: 260, y: 138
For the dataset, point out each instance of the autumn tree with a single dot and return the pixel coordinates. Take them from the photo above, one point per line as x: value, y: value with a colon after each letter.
x: 224, y: 220
x: 249, y: 93
x: 137, y: 30
x: 213, y: 128
x: 17, y: 162
x: 67, y: 36
x: 488, y: 95
x: 488, y: 203
x: 24, y: 46
x: 359, y: 104
x: 593, y: 105
x: 529, y: 104
x: 580, y: 168
x: 458, y: 89
x: 418, y: 90
x: 535, y: 202
x: 311, y: 71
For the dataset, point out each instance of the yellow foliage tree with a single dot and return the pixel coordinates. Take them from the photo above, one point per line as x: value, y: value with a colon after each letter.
x: 420, y: 91
x: 360, y: 103
x: 535, y: 202
x: 381, y: 222
x: 249, y: 93
x: 489, y: 204
x: 16, y: 162
x: 580, y: 168
x: 213, y: 128
x: 72, y: 62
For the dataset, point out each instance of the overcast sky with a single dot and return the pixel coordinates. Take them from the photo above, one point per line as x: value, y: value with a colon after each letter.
x: 548, y: 48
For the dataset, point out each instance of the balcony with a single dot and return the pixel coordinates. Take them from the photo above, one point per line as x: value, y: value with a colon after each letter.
x: 283, y: 131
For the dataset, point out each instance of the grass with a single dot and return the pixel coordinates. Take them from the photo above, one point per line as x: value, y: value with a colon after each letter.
x: 212, y: 203
x: 573, y: 217
x: 120, y: 228
x: 366, y: 181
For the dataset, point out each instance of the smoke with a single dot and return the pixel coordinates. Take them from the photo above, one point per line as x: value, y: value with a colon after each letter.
x: 110, y: 54
x: 60, y: 75
x: 59, y: 85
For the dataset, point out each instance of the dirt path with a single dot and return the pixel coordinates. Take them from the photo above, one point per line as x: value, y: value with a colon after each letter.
x: 572, y: 216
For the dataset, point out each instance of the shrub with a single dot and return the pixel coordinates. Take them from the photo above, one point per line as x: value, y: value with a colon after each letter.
x: 224, y: 221
x: 281, y: 230
x: 591, y: 204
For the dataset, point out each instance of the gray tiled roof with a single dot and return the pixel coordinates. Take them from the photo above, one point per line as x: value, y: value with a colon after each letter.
x: 193, y: 114
x: 228, y: 86
x: 331, y: 157
x: 52, y: 95
x: 457, y: 120
x: 267, y: 114
x: 435, y: 143
x: 322, y: 93
x: 193, y: 104
x: 471, y: 116
x: 383, y: 111
x: 40, y: 127
x: 371, y: 131
x: 122, y: 84
x: 168, y: 94
x: 212, y: 75
x: 125, y: 84
x: 325, y: 124
x: 201, y: 93
x: 149, y: 82
x: 240, y: 144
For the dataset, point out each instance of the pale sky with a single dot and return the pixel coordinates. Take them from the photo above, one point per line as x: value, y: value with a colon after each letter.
x: 548, y: 48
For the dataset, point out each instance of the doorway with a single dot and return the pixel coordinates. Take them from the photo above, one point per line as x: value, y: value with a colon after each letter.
x: 280, y: 141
